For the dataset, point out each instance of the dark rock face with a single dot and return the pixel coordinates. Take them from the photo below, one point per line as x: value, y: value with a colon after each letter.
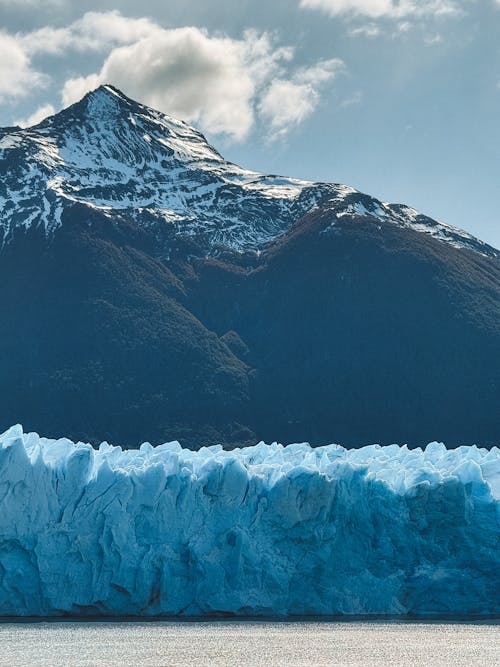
x: 360, y: 322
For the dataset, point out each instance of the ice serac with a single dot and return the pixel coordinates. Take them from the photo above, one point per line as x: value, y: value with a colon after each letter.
x: 263, y: 530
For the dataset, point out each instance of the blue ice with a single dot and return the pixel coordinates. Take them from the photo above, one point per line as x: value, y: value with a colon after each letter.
x: 262, y: 530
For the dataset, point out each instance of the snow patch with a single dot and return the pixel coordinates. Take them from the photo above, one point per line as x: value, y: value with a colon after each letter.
x: 10, y: 141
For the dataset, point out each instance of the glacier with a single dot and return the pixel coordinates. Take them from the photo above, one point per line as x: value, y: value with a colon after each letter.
x: 265, y: 530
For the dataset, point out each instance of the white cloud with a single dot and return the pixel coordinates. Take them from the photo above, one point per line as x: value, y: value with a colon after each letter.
x: 404, y: 26
x: 431, y: 40
x: 368, y: 30
x: 396, y: 9
x: 95, y: 31
x: 286, y: 103
x: 17, y: 76
x: 220, y: 83
x: 373, y: 8
x: 74, y: 89
x: 37, y: 116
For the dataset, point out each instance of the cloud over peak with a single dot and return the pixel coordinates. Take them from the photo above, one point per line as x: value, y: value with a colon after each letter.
x: 225, y: 85
x: 37, y: 116
x: 287, y: 102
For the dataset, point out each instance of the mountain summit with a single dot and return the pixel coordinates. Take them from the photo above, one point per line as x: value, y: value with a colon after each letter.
x: 152, y: 289
x: 124, y: 160
x: 127, y: 161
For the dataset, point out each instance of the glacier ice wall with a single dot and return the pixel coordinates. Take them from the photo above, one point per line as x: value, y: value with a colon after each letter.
x: 263, y: 530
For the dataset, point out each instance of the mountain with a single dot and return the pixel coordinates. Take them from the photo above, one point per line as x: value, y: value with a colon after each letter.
x: 150, y: 289
x: 127, y: 162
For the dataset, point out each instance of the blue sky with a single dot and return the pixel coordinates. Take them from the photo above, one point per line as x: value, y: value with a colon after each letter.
x: 400, y: 99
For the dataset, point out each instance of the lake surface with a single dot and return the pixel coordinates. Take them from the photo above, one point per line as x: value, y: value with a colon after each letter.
x: 254, y: 643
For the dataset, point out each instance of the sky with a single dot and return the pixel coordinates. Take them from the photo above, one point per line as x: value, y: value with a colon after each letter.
x: 398, y: 98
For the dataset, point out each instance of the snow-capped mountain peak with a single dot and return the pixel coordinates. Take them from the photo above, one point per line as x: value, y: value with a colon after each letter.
x: 110, y: 121
x: 128, y: 161
x: 115, y: 155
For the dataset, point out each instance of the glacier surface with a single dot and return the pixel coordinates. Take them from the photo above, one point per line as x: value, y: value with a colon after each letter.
x: 263, y: 530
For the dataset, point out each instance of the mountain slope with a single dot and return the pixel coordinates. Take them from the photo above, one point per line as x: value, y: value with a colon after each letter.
x: 153, y: 290
x: 364, y: 329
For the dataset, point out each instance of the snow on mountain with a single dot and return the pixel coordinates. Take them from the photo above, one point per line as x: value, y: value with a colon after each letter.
x: 261, y: 530
x: 351, y: 203
x: 128, y: 161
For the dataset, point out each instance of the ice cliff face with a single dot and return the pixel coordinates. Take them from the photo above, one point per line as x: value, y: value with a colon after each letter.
x: 129, y: 162
x: 264, y: 530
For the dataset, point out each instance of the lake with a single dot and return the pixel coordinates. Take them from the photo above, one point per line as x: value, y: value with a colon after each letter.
x: 254, y: 643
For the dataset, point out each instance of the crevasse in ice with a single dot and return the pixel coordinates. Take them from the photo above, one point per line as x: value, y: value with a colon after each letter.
x: 263, y: 530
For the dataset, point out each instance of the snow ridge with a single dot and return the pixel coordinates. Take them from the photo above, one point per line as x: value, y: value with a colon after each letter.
x: 262, y: 530
x: 127, y: 161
